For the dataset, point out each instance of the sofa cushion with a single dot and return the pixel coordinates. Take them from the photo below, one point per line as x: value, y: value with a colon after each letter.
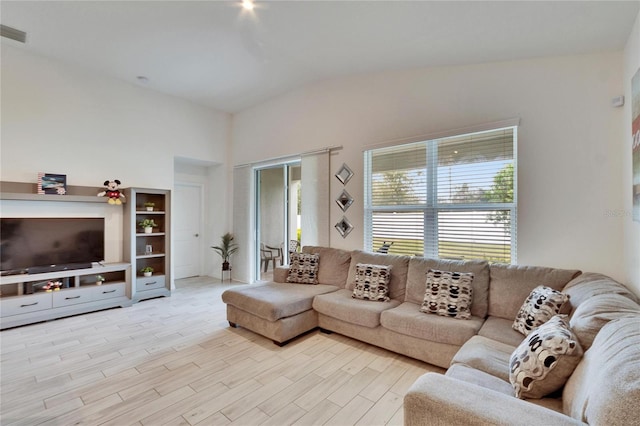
x: 333, y: 266
x: 605, y: 387
x: 541, y: 304
x: 545, y: 359
x: 273, y: 301
x: 372, y: 282
x: 501, y: 330
x: 436, y: 399
x: 417, y: 277
x: 592, y: 284
x: 340, y: 305
x: 486, y: 355
x: 408, y: 320
x: 448, y: 294
x: 399, y: 264
x: 303, y: 268
x: 595, y: 312
x: 480, y: 378
x: 511, y: 284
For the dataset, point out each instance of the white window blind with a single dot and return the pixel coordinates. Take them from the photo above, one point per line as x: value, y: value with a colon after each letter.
x: 452, y: 197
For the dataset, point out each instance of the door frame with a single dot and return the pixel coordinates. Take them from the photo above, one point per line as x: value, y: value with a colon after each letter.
x: 285, y: 165
x: 201, y: 224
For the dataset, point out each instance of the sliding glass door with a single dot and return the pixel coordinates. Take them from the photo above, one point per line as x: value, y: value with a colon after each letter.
x: 277, y: 216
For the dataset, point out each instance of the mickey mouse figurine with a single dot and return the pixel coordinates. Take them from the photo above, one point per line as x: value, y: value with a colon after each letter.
x: 113, y: 192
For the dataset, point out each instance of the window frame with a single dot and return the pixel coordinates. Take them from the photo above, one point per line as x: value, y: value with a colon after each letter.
x: 433, y: 206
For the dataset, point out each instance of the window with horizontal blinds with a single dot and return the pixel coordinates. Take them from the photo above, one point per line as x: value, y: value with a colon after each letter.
x: 398, y: 176
x: 453, y: 197
x: 403, y: 228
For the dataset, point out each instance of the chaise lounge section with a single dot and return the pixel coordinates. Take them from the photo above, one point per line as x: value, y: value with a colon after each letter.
x: 282, y: 311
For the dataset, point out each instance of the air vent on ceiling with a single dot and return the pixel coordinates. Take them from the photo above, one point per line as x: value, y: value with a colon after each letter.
x: 13, y: 34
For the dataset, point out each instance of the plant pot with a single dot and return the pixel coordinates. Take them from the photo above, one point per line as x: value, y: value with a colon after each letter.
x: 226, y: 266
x: 149, y: 209
x: 147, y: 274
x: 98, y: 282
x: 148, y: 229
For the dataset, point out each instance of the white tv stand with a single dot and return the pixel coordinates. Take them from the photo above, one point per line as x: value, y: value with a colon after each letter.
x: 23, y: 300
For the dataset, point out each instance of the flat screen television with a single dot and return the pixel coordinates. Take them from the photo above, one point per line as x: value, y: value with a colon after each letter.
x: 35, y: 245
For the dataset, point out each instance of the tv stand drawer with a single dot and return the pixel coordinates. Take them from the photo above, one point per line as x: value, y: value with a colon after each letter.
x: 25, y: 304
x: 150, y: 283
x: 107, y: 291
x: 71, y: 297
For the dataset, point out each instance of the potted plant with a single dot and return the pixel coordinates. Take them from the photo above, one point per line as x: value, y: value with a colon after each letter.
x: 147, y: 271
x: 148, y: 225
x: 149, y: 205
x: 226, y: 248
x: 99, y: 279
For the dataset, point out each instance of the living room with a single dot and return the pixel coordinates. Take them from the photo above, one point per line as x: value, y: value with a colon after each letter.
x: 573, y: 152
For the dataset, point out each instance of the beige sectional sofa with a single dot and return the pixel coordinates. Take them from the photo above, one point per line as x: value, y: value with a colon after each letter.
x: 476, y: 351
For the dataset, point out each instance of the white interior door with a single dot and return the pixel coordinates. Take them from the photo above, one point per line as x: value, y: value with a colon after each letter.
x: 187, y: 230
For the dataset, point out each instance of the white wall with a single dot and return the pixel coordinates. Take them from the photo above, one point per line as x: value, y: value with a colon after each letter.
x: 569, y: 142
x: 59, y: 118
x: 631, y: 228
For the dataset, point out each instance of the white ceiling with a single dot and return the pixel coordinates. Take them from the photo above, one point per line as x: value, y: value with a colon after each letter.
x: 217, y: 54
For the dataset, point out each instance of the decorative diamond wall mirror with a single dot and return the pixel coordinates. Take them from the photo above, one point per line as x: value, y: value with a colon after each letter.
x: 344, y: 174
x: 344, y: 200
x: 344, y: 227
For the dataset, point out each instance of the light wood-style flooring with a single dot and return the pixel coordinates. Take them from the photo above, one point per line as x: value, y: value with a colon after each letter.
x: 175, y: 361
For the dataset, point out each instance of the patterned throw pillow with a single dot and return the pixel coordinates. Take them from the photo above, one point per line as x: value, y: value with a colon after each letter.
x: 372, y: 282
x: 448, y: 294
x: 541, y: 304
x: 303, y: 268
x: 544, y: 361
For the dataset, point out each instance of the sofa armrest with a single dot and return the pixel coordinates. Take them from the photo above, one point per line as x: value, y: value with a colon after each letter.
x: 435, y: 399
x: 280, y: 274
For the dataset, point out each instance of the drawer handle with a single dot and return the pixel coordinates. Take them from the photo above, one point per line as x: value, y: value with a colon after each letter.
x: 107, y: 292
x: 152, y: 283
x: 30, y: 304
x: 70, y: 298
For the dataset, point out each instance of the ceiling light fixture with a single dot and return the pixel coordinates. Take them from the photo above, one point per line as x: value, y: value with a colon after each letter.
x: 248, y: 4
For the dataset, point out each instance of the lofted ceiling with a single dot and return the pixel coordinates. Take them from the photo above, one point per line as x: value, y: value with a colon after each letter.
x: 217, y: 54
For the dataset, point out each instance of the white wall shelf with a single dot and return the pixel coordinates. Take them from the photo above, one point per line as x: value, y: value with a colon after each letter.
x: 29, y: 192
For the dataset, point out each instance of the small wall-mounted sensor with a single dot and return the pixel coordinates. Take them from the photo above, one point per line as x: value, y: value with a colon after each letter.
x: 618, y: 101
